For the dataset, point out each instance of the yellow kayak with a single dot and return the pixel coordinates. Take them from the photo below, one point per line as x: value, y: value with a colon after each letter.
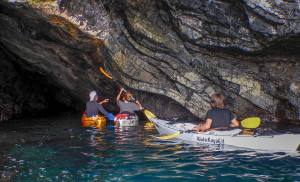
x: 97, y: 121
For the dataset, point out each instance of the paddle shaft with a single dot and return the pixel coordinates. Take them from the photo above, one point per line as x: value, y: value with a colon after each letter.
x: 110, y: 77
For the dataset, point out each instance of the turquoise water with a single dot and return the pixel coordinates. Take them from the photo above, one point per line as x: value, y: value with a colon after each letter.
x: 60, y: 149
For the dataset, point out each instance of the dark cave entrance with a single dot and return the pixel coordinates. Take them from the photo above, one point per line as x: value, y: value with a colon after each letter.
x: 26, y: 92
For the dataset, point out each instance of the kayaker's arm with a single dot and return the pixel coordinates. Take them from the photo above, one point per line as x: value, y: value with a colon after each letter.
x: 138, y: 103
x: 104, y: 101
x: 234, y: 123
x: 118, y: 97
x: 204, y: 126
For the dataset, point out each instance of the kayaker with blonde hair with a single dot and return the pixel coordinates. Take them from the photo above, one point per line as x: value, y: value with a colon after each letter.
x: 218, y: 116
x: 127, y: 107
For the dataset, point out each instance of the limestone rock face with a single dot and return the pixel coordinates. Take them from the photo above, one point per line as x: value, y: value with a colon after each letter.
x: 172, y: 54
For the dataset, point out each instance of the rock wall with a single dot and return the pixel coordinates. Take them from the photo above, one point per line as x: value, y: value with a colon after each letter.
x: 180, y: 51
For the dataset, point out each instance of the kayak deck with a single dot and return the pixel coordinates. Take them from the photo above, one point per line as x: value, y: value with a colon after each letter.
x: 97, y: 121
x: 234, y: 137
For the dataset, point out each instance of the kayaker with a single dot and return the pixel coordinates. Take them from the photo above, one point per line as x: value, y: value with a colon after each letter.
x: 93, y: 107
x: 218, y: 116
x: 127, y: 107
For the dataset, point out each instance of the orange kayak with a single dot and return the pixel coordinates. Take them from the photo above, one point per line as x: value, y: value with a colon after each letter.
x: 97, y: 121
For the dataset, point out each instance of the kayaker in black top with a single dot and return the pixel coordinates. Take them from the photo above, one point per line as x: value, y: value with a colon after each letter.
x: 218, y: 116
x: 127, y: 107
x: 93, y: 107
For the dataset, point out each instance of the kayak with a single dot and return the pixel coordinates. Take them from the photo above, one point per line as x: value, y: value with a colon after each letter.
x: 126, y: 120
x: 97, y: 121
x: 233, y: 137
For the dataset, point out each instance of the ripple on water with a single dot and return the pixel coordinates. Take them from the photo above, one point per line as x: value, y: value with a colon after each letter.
x: 48, y: 151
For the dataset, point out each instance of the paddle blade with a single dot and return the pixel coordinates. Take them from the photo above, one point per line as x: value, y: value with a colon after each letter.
x: 169, y: 136
x: 106, y: 74
x: 149, y: 114
x: 251, y: 122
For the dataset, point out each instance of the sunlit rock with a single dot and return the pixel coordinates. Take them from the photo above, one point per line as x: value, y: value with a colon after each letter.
x: 171, y: 54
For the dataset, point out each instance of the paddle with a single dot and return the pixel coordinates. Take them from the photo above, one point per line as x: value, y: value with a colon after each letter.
x: 253, y: 122
x: 149, y: 115
x: 110, y: 77
x: 107, y: 75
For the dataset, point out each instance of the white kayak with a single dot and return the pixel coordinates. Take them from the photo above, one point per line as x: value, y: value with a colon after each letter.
x: 123, y: 120
x: 233, y: 137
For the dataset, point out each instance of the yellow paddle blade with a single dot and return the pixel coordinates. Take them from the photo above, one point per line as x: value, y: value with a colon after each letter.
x: 251, y: 122
x: 102, y: 70
x: 149, y: 114
x: 169, y: 136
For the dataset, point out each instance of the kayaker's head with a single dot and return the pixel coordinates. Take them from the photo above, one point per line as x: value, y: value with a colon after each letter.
x: 93, y: 96
x: 127, y: 96
x: 217, y: 101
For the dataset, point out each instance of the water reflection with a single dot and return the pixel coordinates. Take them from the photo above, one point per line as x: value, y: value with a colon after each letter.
x: 62, y: 150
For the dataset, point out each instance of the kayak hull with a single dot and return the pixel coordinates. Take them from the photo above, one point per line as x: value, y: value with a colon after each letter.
x: 124, y: 120
x: 97, y: 121
x: 282, y: 142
